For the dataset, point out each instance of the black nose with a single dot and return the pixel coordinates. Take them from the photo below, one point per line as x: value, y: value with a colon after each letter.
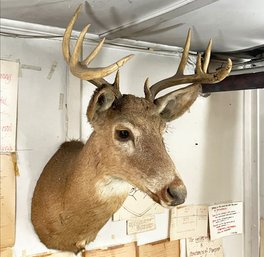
x: 177, y: 192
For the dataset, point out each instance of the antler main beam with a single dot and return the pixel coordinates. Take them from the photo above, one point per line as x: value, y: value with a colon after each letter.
x: 200, y: 76
x: 79, y: 68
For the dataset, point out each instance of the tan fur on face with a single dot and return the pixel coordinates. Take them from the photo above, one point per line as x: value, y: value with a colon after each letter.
x: 146, y: 151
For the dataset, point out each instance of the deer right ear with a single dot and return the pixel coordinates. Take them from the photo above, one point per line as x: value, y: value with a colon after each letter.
x: 173, y: 105
x: 101, y: 101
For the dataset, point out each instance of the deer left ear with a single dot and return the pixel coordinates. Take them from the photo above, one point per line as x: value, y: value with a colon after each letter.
x: 173, y: 105
x: 101, y: 101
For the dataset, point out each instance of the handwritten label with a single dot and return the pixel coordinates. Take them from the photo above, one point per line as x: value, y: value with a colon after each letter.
x: 139, y: 225
x: 225, y: 219
x: 5, y: 77
x: 203, y: 247
x: 188, y: 221
x: 8, y: 104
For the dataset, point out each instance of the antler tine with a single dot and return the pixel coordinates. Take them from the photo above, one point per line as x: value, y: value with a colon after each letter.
x: 74, y: 61
x: 207, y: 56
x: 200, y: 76
x: 198, y: 69
x: 67, y: 35
x: 116, y: 82
x: 185, y: 54
x: 148, y: 94
x: 163, y: 84
x: 79, y: 68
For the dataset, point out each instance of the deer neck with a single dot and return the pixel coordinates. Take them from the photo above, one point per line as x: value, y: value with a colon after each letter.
x: 97, y: 189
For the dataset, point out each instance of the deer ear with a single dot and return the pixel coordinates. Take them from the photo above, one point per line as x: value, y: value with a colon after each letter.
x: 101, y: 101
x: 174, y: 104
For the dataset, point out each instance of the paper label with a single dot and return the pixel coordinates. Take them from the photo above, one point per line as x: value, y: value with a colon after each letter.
x: 137, y: 204
x: 203, y: 247
x: 8, y: 105
x: 225, y: 219
x: 139, y: 225
x: 189, y: 221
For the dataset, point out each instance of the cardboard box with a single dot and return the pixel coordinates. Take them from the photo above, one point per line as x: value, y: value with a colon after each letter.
x: 163, y: 248
x: 7, y: 201
x: 6, y: 252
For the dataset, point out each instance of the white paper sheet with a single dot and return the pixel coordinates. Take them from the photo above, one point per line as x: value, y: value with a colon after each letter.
x: 137, y: 204
x: 8, y: 105
x: 189, y: 221
x: 225, y: 219
x: 203, y: 247
x: 139, y: 225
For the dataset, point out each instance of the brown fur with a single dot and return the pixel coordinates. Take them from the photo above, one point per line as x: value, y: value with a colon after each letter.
x: 81, y: 186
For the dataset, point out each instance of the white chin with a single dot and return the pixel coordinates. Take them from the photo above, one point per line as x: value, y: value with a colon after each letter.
x: 165, y: 205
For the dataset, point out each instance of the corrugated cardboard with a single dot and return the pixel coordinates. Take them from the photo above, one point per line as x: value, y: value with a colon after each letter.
x: 160, y: 249
x: 6, y: 252
x: 7, y: 201
x: 127, y: 250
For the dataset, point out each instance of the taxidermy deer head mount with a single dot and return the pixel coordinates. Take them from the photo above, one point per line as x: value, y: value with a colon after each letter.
x: 84, y: 184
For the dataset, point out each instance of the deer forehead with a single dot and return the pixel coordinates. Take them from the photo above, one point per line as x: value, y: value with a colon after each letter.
x: 137, y: 103
x: 136, y: 113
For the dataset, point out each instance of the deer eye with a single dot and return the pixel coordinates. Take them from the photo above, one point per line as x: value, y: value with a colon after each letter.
x: 123, y: 135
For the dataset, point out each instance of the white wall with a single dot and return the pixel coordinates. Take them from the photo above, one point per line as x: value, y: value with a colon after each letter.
x: 41, y: 126
x: 206, y: 143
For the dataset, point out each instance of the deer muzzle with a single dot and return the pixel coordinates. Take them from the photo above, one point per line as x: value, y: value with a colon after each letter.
x: 174, y: 194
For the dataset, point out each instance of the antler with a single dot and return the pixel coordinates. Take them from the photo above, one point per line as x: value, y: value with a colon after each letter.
x: 79, y: 68
x: 200, y: 76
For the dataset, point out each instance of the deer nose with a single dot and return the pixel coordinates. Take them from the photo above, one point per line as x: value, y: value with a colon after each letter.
x: 177, y: 193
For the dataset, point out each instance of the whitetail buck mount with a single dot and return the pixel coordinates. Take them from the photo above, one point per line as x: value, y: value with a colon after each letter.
x: 84, y: 184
